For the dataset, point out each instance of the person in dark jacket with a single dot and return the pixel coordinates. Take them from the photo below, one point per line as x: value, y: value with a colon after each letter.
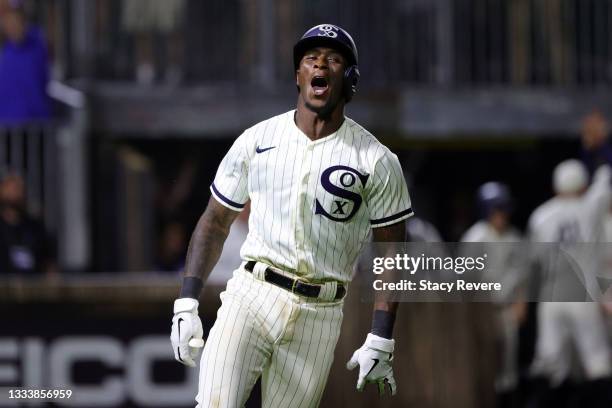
x: 25, y: 248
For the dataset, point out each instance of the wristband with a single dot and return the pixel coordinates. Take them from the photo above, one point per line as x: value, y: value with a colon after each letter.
x: 191, y: 288
x: 382, y: 323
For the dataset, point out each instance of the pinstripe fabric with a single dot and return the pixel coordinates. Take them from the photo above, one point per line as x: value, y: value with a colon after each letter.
x: 313, y: 204
x: 303, y: 194
x: 265, y: 330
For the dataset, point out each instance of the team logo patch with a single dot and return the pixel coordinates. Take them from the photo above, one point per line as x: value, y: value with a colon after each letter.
x: 341, y: 182
x: 326, y: 30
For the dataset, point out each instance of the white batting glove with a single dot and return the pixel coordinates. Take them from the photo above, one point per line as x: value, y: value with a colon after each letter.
x: 374, y: 359
x: 186, y: 335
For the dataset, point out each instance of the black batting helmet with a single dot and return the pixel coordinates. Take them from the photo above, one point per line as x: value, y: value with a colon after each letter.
x: 332, y: 36
x: 494, y: 196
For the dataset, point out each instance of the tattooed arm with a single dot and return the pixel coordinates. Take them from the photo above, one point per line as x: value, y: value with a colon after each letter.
x: 204, y: 252
x: 207, y: 239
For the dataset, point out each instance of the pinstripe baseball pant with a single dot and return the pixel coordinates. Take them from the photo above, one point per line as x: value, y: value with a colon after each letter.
x: 263, y: 330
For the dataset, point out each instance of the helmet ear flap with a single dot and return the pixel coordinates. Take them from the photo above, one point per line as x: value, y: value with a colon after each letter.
x: 351, y: 79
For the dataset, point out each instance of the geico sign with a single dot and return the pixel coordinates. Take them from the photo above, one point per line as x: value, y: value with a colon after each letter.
x: 50, y: 367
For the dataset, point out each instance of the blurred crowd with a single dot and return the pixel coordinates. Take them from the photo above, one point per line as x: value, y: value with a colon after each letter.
x: 569, y: 358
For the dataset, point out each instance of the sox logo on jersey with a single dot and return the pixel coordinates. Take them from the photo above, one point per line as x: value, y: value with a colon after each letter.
x: 347, y: 179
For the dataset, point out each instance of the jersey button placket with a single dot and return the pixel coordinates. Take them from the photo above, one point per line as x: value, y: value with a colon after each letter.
x: 303, y: 206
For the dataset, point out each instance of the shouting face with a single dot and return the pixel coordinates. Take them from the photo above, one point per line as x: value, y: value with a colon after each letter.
x: 320, y: 79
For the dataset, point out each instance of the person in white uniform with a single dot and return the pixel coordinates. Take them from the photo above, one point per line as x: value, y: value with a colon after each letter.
x: 499, y: 240
x: 574, y: 216
x: 317, y: 182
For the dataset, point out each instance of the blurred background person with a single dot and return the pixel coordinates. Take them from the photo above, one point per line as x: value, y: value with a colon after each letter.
x: 23, y: 68
x: 574, y: 215
x: 177, y: 186
x: 25, y: 248
x: 498, y: 239
x: 596, y: 149
x: 172, y: 247
x: 173, y: 243
x: 495, y: 205
x: 420, y: 230
x: 150, y: 21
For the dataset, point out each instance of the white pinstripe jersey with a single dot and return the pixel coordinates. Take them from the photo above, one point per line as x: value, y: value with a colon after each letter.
x: 574, y: 219
x: 312, y: 202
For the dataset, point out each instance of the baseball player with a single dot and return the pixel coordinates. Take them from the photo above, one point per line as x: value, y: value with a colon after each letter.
x: 317, y: 182
x: 499, y: 238
x: 574, y: 215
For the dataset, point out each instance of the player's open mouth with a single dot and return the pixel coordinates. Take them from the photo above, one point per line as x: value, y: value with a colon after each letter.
x: 319, y: 85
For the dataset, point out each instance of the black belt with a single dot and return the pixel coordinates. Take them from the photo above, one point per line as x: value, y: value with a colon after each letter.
x: 295, y: 285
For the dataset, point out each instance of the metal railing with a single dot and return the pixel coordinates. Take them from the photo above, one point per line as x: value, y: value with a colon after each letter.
x: 51, y: 157
x: 418, y: 42
x: 29, y: 151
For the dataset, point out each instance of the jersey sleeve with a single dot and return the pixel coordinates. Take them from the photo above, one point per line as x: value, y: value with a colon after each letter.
x: 532, y: 228
x: 597, y: 202
x: 230, y: 187
x: 473, y: 234
x: 388, y: 198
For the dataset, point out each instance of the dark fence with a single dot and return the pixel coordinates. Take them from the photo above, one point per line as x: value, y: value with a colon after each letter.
x: 417, y: 42
x: 31, y: 151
